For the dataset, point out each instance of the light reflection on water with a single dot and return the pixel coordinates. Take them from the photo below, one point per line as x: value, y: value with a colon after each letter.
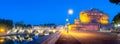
x: 18, y: 39
x: 24, y: 38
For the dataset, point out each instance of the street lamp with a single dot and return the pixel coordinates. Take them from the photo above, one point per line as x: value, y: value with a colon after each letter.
x: 67, y: 19
x: 70, y: 12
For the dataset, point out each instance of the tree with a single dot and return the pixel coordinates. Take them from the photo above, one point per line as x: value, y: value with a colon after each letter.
x: 28, y: 26
x: 7, y: 23
x: 115, y: 1
x: 49, y: 25
x: 116, y: 19
x: 19, y: 24
x: 22, y: 25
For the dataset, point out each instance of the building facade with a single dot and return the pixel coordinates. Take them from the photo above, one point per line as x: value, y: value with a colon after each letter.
x: 93, y: 19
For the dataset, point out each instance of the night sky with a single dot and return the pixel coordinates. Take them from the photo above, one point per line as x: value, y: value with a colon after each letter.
x: 51, y: 11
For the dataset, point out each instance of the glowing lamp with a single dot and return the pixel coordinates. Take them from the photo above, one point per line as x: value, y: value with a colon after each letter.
x: 2, y: 40
x: 70, y: 11
x: 2, y: 30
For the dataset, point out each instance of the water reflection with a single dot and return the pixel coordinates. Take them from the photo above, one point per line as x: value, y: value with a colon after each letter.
x: 24, y: 38
x: 18, y: 39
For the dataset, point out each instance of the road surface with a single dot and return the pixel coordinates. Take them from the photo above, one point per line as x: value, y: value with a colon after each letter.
x: 85, y: 37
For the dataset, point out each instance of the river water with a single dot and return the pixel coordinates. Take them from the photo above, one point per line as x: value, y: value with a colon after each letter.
x: 18, y: 39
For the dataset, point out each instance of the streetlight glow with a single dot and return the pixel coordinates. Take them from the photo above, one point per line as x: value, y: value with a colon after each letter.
x: 67, y: 19
x: 2, y: 40
x: 70, y: 11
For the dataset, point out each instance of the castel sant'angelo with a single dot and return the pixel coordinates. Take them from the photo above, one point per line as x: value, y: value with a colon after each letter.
x: 93, y: 19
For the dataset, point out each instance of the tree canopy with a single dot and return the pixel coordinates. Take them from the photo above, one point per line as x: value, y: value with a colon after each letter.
x: 115, y: 1
x: 22, y: 25
x: 116, y: 19
x: 7, y: 23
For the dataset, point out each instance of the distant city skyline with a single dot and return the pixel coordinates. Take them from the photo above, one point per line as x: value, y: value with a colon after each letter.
x: 52, y: 11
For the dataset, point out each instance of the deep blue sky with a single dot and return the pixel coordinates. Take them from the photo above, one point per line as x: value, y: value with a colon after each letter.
x: 51, y: 11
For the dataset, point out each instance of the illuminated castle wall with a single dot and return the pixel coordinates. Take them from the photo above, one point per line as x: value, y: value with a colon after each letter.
x: 93, y: 16
x: 90, y: 20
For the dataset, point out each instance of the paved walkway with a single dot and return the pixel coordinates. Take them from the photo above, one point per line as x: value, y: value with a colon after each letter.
x: 83, y: 37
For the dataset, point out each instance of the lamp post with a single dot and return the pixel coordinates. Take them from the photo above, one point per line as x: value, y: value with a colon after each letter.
x: 70, y: 12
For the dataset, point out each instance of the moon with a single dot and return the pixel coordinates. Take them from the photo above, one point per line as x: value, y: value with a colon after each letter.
x: 70, y: 11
